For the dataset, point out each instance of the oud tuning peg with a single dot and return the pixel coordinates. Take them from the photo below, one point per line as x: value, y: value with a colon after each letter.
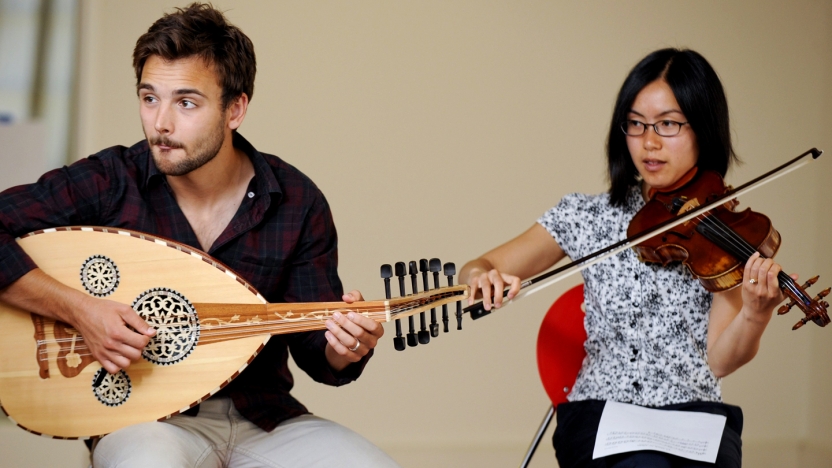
x: 386, y: 274
x: 398, y: 341
x: 435, y: 266
x: 450, y: 271
x: 414, y: 286
x: 424, y: 336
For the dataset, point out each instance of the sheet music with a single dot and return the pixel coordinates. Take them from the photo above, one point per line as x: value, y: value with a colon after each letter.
x: 627, y: 428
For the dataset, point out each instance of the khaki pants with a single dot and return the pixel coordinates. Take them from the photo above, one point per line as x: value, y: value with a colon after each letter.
x: 220, y: 437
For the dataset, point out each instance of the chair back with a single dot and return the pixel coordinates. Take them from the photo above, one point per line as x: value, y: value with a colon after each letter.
x: 560, y: 344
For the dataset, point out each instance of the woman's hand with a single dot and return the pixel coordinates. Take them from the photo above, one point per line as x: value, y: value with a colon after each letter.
x: 760, y: 288
x: 491, y: 283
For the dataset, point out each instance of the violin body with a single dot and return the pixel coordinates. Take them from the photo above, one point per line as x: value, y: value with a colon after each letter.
x: 716, y: 268
x: 716, y: 244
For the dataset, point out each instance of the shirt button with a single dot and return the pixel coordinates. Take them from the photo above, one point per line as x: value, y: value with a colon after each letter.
x: 636, y: 277
x: 636, y: 385
x: 251, y: 194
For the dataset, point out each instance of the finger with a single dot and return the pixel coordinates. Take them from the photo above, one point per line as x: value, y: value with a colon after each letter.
x: 754, y: 268
x: 335, y: 344
x: 515, y: 286
x: 498, y: 287
x: 133, y: 319
x: 485, y: 287
x: 109, y: 366
x: 352, y: 296
x: 363, y: 331
x: 340, y: 334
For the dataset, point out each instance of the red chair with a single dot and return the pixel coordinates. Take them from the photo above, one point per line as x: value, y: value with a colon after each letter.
x: 560, y: 353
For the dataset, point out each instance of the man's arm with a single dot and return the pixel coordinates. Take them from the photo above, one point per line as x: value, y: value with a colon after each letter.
x: 78, y: 194
x: 103, y: 323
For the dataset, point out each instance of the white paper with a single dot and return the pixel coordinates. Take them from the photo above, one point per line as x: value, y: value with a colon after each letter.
x: 628, y: 428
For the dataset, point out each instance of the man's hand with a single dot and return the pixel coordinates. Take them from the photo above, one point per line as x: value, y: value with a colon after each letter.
x: 114, y: 332
x: 350, y: 336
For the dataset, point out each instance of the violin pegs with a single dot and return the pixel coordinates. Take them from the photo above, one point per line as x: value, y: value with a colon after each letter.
x: 809, y: 282
x: 800, y: 323
x: 786, y: 308
x: 823, y: 294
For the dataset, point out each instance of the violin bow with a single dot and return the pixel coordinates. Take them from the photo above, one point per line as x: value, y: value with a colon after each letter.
x: 553, y: 276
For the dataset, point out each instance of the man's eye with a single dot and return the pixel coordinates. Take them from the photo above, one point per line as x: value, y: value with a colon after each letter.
x: 148, y: 98
x: 188, y: 104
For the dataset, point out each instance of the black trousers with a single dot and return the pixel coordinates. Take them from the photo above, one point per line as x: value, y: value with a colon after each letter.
x: 577, y: 426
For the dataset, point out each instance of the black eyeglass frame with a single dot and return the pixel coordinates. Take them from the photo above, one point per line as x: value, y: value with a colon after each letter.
x: 623, y: 127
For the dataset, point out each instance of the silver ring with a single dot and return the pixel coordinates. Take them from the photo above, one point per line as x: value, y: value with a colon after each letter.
x: 753, y: 281
x: 355, y: 348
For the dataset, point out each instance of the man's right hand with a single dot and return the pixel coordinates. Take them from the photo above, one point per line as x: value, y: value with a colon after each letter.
x: 114, y: 332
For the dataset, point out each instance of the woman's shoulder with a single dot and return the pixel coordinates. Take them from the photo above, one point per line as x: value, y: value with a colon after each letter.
x: 583, y: 203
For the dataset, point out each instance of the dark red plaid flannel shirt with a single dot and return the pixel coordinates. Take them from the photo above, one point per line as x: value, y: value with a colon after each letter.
x: 282, y: 240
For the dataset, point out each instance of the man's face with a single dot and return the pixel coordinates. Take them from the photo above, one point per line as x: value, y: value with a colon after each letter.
x: 180, y: 104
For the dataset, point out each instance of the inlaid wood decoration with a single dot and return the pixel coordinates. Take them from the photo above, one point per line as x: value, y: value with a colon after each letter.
x: 209, y: 325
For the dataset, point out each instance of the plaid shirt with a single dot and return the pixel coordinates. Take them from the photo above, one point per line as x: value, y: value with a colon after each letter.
x: 281, y: 240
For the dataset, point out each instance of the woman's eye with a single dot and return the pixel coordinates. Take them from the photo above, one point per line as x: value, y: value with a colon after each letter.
x: 636, y: 124
x: 668, y: 123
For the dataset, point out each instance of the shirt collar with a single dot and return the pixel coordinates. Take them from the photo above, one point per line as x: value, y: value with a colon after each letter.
x: 263, y: 175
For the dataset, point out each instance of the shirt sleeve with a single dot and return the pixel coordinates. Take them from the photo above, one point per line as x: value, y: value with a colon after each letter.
x: 314, y: 278
x: 71, y: 195
x: 567, y: 224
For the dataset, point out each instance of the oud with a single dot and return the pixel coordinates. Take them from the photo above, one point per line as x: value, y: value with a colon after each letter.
x: 210, y: 325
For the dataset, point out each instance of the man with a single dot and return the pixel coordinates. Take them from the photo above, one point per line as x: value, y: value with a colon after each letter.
x: 197, y: 181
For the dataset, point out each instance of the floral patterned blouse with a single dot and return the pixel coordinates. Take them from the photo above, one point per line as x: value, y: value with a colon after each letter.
x: 647, y: 325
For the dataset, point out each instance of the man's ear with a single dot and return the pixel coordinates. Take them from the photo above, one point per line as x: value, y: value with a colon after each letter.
x: 236, y: 111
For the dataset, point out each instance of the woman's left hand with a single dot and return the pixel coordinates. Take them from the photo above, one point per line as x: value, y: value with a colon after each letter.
x: 760, y: 287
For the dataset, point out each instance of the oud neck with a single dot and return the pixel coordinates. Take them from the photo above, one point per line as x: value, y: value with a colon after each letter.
x: 220, y: 322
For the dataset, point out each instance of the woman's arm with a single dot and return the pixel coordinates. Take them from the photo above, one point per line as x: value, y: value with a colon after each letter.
x: 739, y: 316
x: 526, y: 255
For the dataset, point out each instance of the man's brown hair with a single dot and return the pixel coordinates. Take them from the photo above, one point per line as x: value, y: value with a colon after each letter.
x: 200, y: 30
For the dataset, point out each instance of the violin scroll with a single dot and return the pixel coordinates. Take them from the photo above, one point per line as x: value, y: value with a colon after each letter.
x: 814, y: 308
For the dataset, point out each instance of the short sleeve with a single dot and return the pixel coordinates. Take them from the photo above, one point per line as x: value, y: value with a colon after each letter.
x: 567, y: 224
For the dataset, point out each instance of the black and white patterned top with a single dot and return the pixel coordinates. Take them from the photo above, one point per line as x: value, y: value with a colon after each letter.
x: 647, y: 325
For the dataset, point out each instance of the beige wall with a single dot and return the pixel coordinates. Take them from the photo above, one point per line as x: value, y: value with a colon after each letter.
x: 440, y: 129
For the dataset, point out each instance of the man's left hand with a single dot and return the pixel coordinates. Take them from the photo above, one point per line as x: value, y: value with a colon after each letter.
x: 350, y: 336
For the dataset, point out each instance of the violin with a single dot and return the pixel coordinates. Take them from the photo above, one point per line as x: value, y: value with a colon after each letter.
x: 716, y: 244
x: 729, y: 238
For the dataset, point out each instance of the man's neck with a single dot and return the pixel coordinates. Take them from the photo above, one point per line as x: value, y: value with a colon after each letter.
x: 210, y: 195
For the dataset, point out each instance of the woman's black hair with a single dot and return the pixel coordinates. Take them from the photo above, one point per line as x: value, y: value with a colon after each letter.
x: 701, y: 98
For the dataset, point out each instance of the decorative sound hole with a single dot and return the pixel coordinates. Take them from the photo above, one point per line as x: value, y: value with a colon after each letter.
x: 99, y: 275
x: 175, y: 321
x: 114, y: 389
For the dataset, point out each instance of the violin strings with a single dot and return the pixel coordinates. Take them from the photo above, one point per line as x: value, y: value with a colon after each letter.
x: 743, y: 248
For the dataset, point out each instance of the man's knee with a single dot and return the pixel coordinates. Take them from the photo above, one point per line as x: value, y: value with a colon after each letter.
x: 155, y: 444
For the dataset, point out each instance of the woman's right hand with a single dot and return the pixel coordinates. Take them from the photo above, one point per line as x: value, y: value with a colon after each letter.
x: 490, y: 285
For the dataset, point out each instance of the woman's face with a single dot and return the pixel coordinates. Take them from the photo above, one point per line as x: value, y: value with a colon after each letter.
x: 661, y: 161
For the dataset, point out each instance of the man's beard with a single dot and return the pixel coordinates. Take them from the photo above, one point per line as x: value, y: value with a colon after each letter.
x: 204, y: 151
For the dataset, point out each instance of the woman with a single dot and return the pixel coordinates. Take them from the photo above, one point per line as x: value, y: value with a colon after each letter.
x: 655, y: 336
